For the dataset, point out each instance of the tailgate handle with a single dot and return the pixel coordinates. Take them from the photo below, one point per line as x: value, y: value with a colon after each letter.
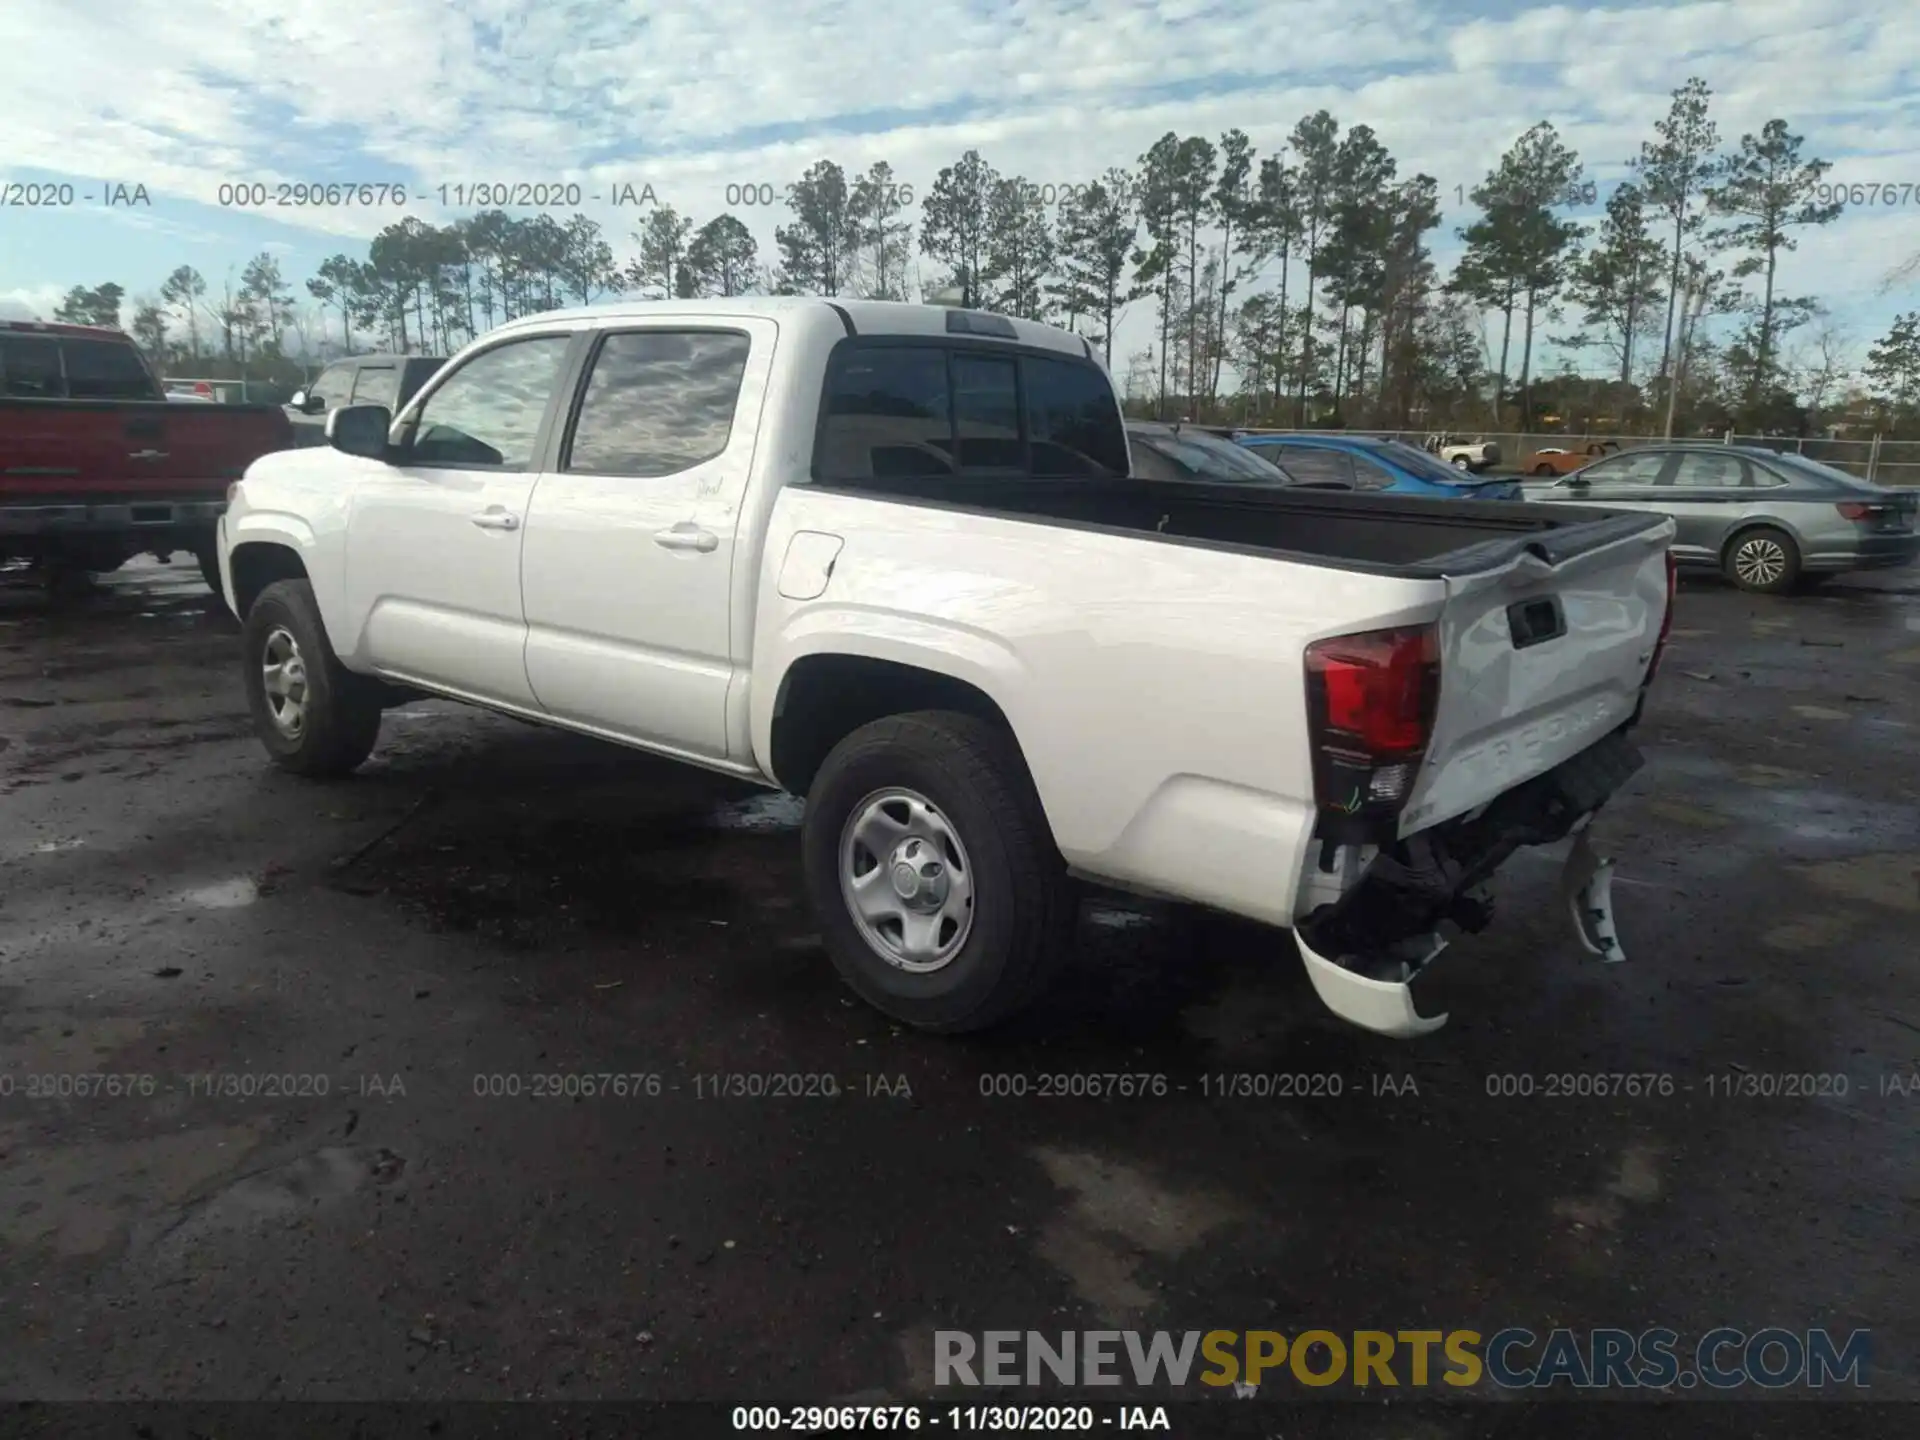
x: 1534, y: 622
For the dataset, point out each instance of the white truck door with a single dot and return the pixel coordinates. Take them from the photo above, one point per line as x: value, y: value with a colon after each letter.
x: 628, y: 566
x: 433, y: 545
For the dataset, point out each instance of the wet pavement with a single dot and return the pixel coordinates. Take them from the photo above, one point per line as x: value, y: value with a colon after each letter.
x: 290, y: 1074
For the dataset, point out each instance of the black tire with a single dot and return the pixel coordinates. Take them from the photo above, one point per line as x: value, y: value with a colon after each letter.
x: 341, y: 718
x: 1763, y: 560
x: 1544, y: 470
x: 1461, y: 462
x: 209, y: 557
x: 1024, y: 906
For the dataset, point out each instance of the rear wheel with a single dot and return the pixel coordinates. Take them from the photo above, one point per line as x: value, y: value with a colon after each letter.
x: 1461, y: 462
x: 314, y: 715
x: 929, y: 862
x: 1543, y: 470
x: 1763, y: 560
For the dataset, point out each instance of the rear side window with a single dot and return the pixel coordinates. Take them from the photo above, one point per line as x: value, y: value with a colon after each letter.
x: 30, y: 367
x: 658, y: 402
x: 103, y: 370
x: 913, y: 411
x: 1312, y: 466
x: 1072, y: 420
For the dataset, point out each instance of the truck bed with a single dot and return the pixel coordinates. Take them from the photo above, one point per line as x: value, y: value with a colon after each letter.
x: 1380, y: 534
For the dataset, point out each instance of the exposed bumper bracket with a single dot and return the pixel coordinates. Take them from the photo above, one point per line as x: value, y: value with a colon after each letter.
x: 1587, y: 883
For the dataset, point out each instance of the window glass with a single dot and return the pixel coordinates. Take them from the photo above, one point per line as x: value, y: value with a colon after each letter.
x: 888, y: 415
x: 1639, y: 467
x: 986, y: 413
x: 1370, y: 474
x: 488, y: 412
x: 1072, y: 420
x: 332, y: 386
x: 376, y: 385
x: 658, y: 402
x: 1418, y: 462
x: 1311, y: 466
x: 103, y: 370
x: 1707, y: 471
x: 31, y: 367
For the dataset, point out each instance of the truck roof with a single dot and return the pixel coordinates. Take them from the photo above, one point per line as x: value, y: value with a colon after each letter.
x: 59, y: 327
x: 866, y: 317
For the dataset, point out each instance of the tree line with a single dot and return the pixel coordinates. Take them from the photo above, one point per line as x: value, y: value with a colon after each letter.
x: 1294, y: 288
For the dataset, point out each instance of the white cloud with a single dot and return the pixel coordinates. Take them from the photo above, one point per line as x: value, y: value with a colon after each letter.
x: 692, y: 95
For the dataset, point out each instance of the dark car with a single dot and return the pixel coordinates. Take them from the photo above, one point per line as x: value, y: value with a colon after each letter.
x: 389, y: 380
x: 1764, y: 518
x: 1197, y: 453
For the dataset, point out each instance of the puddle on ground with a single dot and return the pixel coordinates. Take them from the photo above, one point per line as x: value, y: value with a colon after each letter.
x: 760, y: 814
x: 227, y: 895
x: 54, y: 847
x: 1820, y: 712
x: 1811, y: 932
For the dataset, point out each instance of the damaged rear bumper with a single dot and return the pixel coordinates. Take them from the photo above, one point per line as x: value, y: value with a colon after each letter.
x: 1363, y: 951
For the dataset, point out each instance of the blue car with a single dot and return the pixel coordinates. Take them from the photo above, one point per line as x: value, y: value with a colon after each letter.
x: 1364, y: 462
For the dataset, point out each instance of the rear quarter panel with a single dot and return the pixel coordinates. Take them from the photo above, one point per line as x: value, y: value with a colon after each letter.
x: 1156, y: 688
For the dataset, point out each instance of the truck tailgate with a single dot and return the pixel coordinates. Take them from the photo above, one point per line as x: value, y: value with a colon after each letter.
x: 1539, y: 658
x: 84, y: 450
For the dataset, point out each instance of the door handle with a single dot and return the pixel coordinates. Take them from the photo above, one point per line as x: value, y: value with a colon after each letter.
x: 497, y: 520
x: 687, y: 537
x: 146, y: 454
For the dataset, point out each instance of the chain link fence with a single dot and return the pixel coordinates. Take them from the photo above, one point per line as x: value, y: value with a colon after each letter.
x: 1889, y: 462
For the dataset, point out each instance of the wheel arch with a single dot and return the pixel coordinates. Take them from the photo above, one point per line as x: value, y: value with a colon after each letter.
x: 825, y: 695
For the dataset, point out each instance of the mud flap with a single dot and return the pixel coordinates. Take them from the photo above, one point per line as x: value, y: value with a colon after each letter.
x: 1382, y: 1006
x: 1587, y: 884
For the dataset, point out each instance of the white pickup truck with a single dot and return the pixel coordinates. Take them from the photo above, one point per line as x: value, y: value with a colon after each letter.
x: 890, y: 557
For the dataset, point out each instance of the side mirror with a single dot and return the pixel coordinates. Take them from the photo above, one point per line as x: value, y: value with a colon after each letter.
x: 360, y: 430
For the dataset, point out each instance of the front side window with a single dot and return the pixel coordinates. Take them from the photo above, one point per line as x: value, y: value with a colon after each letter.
x: 30, y: 367
x: 103, y: 370
x: 658, y: 402
x: 488, y: 412
x: 1642, y: 467
x: 376, y: 385
x: 330, y: 390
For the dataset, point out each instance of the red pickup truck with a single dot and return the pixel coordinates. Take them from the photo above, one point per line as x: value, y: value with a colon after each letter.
x: 97, y: 465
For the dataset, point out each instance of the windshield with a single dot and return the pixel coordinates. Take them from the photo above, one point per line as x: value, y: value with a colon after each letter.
x: 1417, y: 462
x: 1215, y: 459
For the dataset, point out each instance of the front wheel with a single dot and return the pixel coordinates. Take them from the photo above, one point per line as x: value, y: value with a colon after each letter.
x: 1764, y: 561
x: 1461, y: 462
x: 1543, y: 470
x: 208, y: 554
x: 315, y: 716
x: 930, y: 864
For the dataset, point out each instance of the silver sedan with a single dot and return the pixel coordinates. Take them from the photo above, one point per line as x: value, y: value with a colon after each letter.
x: 1764, y: 519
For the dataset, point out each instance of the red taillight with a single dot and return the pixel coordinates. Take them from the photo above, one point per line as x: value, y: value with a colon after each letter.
x: 1378, y: 686
x: 1854, y: 510
x: 1371, y: 701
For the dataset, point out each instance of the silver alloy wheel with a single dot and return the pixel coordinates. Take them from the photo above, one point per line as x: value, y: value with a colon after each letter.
x: 906, y: 880
x: 1760, y: 561
x: 1461, y: 462
x: 283, y: 673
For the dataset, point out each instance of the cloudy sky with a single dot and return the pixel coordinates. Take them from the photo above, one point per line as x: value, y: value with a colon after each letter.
x: 689, y: 97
